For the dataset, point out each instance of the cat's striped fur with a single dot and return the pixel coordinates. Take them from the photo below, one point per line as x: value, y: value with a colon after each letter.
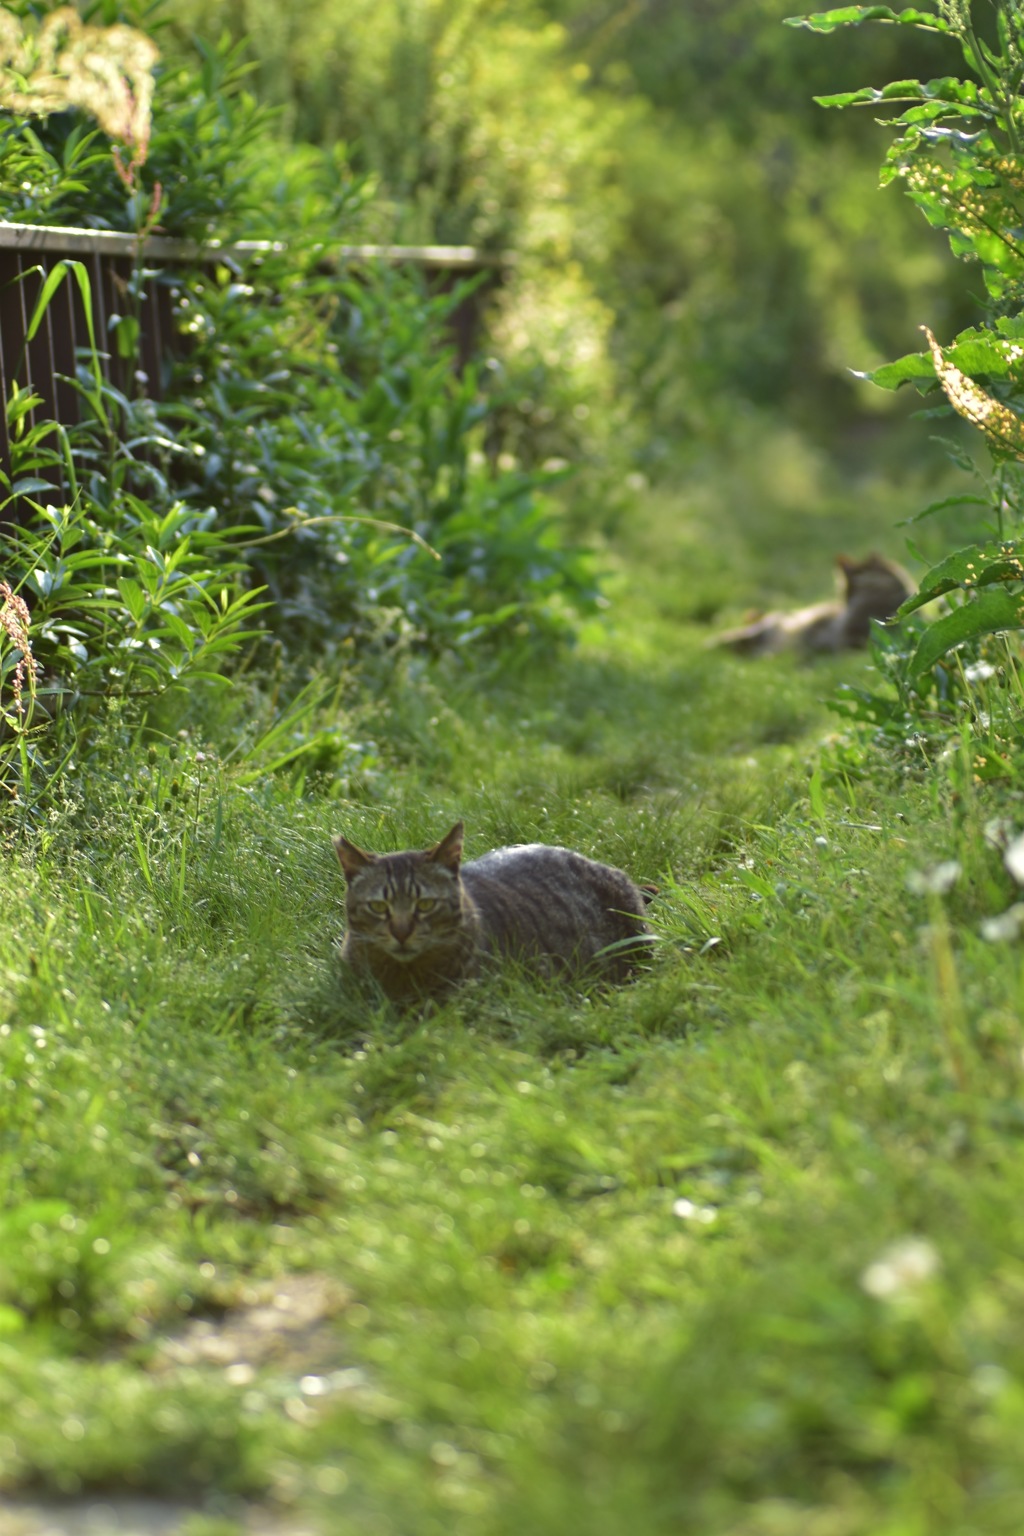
x: 419, y: 921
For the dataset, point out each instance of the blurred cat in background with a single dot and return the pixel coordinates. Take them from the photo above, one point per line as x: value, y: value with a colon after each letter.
x: 869, y: 589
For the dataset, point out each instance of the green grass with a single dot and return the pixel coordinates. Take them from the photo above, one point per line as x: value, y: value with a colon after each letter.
x: 594, y: 1263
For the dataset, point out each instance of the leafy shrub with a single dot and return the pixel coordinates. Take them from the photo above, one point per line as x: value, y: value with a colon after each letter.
x: 314, y: 439
x: 326, y: 411
x: 957, y: 152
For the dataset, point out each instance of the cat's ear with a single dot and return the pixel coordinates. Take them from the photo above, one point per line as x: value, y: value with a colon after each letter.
x: 847, y: 569
x: 449, y: 850
x: 351, y: 858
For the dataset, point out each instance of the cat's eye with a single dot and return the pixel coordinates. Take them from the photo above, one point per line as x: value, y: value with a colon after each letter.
x: 426, y: 903
x: 380, y: 907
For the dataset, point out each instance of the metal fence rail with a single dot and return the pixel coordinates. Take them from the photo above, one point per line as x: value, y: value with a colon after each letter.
x: 29, y: 252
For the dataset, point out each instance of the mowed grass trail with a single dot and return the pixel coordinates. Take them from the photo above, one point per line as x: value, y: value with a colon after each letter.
x: 736, y: 1249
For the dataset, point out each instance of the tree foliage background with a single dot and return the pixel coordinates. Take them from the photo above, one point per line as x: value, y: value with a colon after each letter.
x: 696, y: 237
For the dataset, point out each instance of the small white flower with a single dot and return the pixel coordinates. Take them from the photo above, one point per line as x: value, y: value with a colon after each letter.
x: 687, y: 1211
x: 1013, y: 858
x: 998, y: 832
x: 1006, y: 927
x: 937, y: 880
x: 901, y: 1269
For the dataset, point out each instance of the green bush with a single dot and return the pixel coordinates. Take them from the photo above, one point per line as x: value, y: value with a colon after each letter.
x: 958, y: 153
x: 325, y: 410
x: 313, y: 442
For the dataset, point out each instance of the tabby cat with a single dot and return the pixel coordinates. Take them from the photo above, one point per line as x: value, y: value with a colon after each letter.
x: 872, y: 588
x: 420, y: 921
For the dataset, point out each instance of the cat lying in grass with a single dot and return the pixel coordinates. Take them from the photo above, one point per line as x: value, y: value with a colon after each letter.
x: 420, y: 921
x: 869, y: 589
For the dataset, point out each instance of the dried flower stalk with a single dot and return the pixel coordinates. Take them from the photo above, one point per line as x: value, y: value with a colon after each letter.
x: 105, y: 71
x: 1003, y: 428
x: 14, y: 621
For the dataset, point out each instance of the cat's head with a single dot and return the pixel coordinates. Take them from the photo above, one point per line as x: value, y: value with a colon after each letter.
x: 403, y: 904
x: 855, y: 574
x: 874, y: 578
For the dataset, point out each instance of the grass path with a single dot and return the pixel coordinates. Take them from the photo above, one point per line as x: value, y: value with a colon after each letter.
x: 738, y: 1249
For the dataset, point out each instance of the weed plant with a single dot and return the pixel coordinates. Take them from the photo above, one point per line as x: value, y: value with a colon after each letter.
x: 956, y: 152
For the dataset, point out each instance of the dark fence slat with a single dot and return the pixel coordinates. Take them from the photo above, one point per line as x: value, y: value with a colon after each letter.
x: 65, y: 342
x: 151, y: 341
x: 23, y: 363
x: 8, y: 270
x: 98, y: 283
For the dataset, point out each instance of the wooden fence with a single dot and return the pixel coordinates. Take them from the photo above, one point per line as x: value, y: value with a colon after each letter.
x: 29, y: 252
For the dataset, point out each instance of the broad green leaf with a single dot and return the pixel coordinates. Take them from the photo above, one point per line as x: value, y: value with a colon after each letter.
x: 992, y: 610
x: 28, y: 484
x: 147, y: 576
x: 87, y: 559
x: 45, y: 581
x: 998, y: 249
x: 948, y: 88
x: 982, y: 353
x: 958, y: 139
x: 133, y: 596
x: 932, y: 111
x: 976, y: 566
x: 915, y: 368
x: 948, y: 93
x: 853, y: 15
x: 201, y: 674
x: 179, y: 629
x: 227, y: 642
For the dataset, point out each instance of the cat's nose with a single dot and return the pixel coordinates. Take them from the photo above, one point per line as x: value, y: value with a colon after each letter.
x: 401, y: 930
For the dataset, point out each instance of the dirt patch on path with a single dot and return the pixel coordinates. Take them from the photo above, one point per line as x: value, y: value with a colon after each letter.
x: 138, y: 1517
x: 283, y: 1328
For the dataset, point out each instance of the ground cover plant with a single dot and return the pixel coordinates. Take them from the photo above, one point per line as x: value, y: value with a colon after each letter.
x: 735, y: 1249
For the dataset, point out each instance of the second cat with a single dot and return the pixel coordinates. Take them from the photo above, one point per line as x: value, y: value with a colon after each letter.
x: 870, y: 589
